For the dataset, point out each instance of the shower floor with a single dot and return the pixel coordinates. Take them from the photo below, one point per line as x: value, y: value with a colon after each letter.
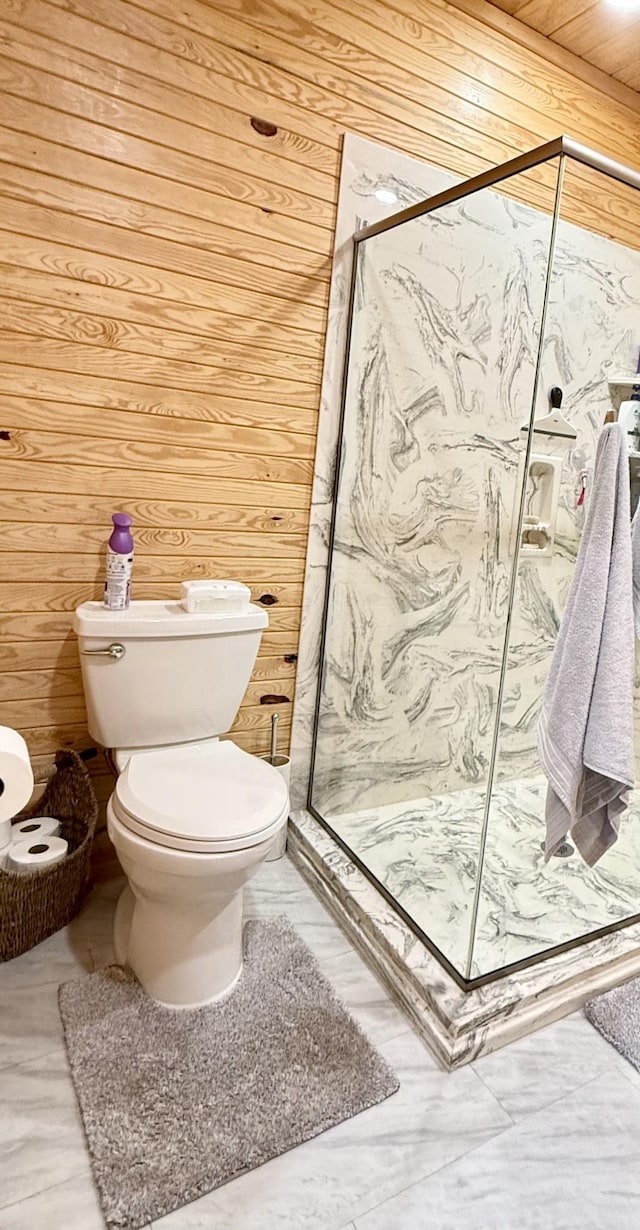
x: 425, y: 852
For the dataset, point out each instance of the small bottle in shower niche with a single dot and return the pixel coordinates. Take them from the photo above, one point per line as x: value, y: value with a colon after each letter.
x: 117, y: 582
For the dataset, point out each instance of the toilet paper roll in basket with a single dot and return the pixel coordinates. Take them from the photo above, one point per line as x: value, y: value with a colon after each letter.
x: 16, y: 779
x: 35, y: 829
x: 26, y: 856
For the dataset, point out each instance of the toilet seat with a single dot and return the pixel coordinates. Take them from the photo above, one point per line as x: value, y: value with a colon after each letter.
x: 206, y: 797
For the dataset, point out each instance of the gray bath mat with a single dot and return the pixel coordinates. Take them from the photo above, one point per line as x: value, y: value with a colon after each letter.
x: 616, y: 1014
x: 176, y: 1103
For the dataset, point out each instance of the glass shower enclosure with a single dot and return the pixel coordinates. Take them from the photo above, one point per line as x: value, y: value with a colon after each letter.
x: 492, y: 330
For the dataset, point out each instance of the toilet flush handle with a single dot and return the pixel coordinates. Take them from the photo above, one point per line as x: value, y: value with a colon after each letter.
x: 115, y: 651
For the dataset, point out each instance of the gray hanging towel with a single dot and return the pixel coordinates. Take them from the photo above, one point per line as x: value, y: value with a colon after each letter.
x: 635, y: 555
x: 585, y: 731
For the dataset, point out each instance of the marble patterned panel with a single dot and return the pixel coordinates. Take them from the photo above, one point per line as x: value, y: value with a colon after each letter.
x: 367, y: 168
x: 547, y: 1171
x: 426, y: 855
x: 535, y: 1071
x: 30, y: 1024
x: 41, y: 1139
x: 72, y: 1204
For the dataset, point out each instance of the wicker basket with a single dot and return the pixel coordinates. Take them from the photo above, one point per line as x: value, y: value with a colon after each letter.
x: 33, y: 906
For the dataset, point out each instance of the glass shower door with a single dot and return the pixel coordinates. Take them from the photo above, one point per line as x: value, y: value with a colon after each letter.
x: 445, y: 327
x: 590, y: 344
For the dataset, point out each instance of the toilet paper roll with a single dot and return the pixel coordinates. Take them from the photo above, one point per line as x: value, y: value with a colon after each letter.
x: 35, y: 829
x: 5, y: 836
x: 16, y: 775
x: 26, y: 856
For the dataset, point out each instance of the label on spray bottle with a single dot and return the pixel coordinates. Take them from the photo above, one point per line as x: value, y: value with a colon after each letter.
x: 117, y: 585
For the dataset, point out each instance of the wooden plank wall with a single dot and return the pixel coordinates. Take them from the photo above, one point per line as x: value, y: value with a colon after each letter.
x: 168, y: 181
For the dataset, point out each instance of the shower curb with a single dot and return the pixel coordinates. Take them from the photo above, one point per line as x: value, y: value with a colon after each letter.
x: 457, y: 1025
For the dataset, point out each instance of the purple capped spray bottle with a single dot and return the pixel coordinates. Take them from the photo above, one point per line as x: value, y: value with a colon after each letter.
x: 117, y: 584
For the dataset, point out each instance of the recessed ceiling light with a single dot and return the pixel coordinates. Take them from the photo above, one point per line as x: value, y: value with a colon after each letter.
x: 627, y: 6
x: 386, y: 196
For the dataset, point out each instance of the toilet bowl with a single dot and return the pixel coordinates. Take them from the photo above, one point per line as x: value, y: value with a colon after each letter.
x: 190, y: 826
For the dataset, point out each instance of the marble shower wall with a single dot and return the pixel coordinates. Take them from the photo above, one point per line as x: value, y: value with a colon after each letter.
x: 593, y: 324
x: 446, y: 324
x: 367, y: 168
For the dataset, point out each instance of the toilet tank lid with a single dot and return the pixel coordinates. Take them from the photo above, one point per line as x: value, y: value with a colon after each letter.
x: 154, y: 618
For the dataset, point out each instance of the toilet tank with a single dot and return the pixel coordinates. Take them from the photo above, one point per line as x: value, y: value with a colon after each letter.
x: 180, y: 678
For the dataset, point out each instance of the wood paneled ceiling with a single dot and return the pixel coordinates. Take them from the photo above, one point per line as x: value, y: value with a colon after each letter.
x: 598, y: 31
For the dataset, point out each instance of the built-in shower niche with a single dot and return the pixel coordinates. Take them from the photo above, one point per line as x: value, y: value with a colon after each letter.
x: 542, y: 493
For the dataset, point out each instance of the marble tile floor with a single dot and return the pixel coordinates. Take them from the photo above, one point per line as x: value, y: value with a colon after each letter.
x: 426, y: 854
x: 545, y: 1133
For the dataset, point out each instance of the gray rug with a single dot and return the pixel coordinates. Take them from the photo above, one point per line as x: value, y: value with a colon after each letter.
x: 616, y: 1014
x: 176, y: 1103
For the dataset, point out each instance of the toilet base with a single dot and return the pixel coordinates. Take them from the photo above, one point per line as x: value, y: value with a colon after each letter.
x: 178, y: 923
x: 205, y: 1002
x: 186, y: 956
x: 122, y: 925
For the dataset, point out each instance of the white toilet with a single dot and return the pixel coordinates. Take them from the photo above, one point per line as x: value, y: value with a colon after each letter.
x: 191, y: 818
